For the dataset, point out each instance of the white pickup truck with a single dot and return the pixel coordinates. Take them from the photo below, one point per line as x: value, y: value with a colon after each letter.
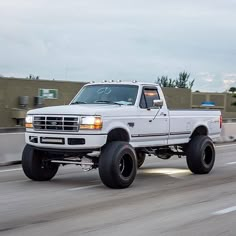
x: 112, y: 126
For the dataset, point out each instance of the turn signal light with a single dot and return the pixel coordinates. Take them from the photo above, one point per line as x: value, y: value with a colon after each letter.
x: 28, y: 125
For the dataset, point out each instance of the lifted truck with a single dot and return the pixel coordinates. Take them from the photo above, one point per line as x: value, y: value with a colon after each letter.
x: 112, y: 126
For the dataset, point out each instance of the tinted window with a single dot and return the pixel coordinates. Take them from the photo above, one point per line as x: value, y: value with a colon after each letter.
x: 143, y: 103
x: 148, y: 96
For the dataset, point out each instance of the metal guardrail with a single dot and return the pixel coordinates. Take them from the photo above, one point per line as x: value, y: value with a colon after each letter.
x: 12, y: 130
x: 229, y: 120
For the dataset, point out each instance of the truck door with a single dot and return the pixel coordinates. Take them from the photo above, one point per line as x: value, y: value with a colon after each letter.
x: 152, y: 125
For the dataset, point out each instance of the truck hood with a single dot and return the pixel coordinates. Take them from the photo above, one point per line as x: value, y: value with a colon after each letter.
x: 81, y: 109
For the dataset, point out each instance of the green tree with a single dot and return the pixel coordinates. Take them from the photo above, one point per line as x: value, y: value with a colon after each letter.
x: 183, y: 80
x: 33, y: 77
x: 165, y: 81
x: 232, y: 89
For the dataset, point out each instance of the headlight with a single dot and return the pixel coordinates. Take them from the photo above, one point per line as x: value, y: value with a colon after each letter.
x: 91, y: 122
x: 29, y: 122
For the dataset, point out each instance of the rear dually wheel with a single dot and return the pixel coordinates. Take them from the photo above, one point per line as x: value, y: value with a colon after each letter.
x: 200, y: 154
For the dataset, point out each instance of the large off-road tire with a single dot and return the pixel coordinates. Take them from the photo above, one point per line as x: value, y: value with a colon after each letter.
x: 200, y: 154
x: 34, y: 165
x: 140, y: 158
x: 117, y: 165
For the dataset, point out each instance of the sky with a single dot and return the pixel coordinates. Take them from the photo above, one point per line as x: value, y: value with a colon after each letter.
x: 91, y: 40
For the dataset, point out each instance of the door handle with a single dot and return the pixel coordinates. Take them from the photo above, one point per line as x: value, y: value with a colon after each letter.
x: 163, y: 114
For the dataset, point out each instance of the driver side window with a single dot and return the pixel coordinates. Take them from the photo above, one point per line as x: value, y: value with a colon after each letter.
x: 148, y: 96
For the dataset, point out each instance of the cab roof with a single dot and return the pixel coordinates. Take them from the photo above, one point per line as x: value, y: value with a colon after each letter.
x: 123, y: 83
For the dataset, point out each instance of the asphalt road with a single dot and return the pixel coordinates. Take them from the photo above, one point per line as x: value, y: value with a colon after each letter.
x: 165, y: 199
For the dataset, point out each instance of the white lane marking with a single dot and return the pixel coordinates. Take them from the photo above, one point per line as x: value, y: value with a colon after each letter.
x: 9, y: 170
x: 225, y: 211
x: 15, y: 181
x: 84, y: 187
x: 226, y: 145
x: 10, y: 133
x: 231, y: 163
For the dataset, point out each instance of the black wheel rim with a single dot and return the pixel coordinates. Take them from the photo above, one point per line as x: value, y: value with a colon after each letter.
x: 207, y: 156
x: 126, y: 165
x: 45, y: 163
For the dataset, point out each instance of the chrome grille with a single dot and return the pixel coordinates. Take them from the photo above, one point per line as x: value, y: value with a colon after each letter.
x: 56, y: 123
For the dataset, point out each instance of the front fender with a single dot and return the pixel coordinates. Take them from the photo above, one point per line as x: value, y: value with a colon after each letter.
x: 116, y: 125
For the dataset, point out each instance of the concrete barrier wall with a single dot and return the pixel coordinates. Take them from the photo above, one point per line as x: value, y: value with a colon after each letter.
x: 228, y: 133
x: 12, y: 144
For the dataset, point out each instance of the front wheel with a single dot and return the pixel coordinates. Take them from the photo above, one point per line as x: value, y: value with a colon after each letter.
x: 200, y: 154
x: 117, y: 165
x: 35, y: 166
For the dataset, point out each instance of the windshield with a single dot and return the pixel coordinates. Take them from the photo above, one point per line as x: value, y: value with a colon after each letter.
x: 107, y: 94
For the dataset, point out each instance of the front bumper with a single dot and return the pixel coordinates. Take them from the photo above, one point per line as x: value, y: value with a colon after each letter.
x: 65, y: 141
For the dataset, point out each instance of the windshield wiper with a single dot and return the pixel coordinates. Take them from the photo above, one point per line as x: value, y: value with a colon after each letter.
x: 107, y: 102
x: 78, y: 102
x: 103, y: 101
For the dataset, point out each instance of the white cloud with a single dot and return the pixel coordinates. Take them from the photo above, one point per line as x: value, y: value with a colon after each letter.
x: 94, y: 40
x: 230, y: 75
x: 206, y: 76
x: 206, y: 81
x: 229, y: 80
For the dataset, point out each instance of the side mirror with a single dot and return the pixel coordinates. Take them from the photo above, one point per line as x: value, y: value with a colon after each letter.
x: 157, y: 103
